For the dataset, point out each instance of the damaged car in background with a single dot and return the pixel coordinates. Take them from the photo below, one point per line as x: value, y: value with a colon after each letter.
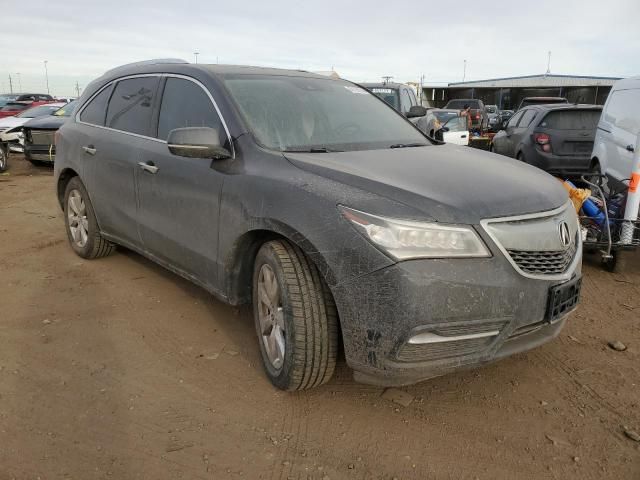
x: 39, y: 134
x: 328, y: 211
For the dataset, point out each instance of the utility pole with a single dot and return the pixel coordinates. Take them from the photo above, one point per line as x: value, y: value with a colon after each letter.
x: 464, y: 71
x: 195, y: 54
x: 386, y: 79
x: 421, y: 86
x: 46, y: 74
x: 10, y: 84
x: 548, y: 62
x: 77, y: 89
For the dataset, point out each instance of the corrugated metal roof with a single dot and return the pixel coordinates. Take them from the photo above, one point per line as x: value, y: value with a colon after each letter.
x: 535, y: 81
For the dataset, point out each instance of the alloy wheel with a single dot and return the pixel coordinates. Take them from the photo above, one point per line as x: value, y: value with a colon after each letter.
x: 77, y: 216
x: 271, y: 316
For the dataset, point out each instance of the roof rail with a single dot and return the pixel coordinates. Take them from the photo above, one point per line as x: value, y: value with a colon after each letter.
x: 155, y: 61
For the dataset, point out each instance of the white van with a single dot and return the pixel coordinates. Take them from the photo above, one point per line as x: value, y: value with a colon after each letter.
x: 618, y: 130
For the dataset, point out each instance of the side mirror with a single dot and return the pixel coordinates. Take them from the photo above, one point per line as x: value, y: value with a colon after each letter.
x: 197, y: 142
x: 416, y: 111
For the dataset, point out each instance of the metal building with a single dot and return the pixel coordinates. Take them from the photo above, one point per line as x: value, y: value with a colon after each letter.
x: 508, y: 92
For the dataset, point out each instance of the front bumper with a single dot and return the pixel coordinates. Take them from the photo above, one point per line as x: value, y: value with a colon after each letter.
x: 40, y: 153
x: 381, y: 311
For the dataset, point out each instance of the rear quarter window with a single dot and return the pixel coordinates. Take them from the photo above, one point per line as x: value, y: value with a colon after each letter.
x: 96, y: 110
x: 571, y: 120
x: 623, y: 110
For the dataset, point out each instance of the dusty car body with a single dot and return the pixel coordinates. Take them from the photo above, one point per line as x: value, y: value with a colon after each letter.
x: 418, y: 271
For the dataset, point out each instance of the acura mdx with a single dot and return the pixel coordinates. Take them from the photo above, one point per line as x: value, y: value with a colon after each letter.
x: 326, y: 209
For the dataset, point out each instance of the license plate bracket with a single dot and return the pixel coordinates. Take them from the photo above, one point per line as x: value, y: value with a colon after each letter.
x: 563, y: 298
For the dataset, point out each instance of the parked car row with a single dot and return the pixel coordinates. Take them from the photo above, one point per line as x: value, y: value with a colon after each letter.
x: 575, y: 139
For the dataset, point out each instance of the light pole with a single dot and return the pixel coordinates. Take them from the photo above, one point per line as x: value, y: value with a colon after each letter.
x: 195, y: 54
x: 46, y: 74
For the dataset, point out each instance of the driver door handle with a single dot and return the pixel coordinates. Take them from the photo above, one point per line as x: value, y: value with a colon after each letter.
x: 90, y: 149
x: 148, y: 167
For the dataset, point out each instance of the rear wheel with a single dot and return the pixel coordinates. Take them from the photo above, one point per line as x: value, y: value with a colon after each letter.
x: 80, y: 221
x: 4, y: 155
x: 295, y: 318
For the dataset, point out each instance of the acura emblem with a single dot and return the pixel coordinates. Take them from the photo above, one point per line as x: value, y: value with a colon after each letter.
x: 565, y: 237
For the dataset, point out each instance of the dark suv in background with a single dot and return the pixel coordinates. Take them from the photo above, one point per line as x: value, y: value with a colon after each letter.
x: 399, y: 96
x: 479, y: 115
x: 328, y: 211
x: 557, y: 138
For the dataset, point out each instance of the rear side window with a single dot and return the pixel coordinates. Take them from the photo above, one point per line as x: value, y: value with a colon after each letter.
x: 514, y: 120
x: 526, y: 118
x: 623, y: 110
x: 131, y: 105
x: 96, y: 111
x: 185, y: 104
x: 571, y: 120
x: 405, y: 100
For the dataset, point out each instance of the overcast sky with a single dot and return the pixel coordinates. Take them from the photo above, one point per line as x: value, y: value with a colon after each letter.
x: 361, y: 40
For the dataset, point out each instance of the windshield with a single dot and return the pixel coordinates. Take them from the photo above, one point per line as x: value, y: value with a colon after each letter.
x: 14, y: 107
x: 459, y: 104
x: 456, y: 124
x: 4, y: 99
x: 389, y: 95
x: 302, y: 114
x: 571, y: 120
x: 67, y: 110
x: 38, y: 111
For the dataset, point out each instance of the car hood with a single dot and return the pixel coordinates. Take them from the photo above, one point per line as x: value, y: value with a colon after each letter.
x: 447, y: 183
x: 11, y: 122
x: 47, y: 122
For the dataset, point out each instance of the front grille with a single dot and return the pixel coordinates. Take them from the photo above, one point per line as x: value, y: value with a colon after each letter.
x: 42, y: 137
x: 543, y: 262
x: 435, y: 351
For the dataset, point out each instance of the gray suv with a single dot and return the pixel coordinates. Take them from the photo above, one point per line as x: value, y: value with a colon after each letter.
x: 326, y: 209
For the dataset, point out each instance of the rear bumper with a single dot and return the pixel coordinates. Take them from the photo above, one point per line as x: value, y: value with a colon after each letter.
x: 558, y: 164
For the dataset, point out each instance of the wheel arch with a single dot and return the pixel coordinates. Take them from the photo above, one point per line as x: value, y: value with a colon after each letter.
x: 239, y: 261
x: 63, y: 179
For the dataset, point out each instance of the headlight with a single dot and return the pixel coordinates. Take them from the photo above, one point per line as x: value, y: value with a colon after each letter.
x: 404, y: 239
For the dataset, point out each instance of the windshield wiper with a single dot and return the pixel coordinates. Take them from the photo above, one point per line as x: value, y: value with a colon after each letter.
x: 311, y: 150
x: 407, y: 145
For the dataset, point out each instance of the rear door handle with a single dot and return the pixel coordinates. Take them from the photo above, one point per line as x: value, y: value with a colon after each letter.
x: 90, y: 149
x: 148, y: 167
x: 630, y: 148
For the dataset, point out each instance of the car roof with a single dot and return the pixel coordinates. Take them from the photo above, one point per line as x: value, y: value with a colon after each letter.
x: 544, y: 98
x: 563, y: 106
x: 627, y: 83
x: 382, y: 85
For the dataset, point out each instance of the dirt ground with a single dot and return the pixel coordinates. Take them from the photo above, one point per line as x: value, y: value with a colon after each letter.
x: 116, y: 368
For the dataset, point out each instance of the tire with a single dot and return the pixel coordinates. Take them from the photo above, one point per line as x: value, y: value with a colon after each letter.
x: 520, y: 156
x: 4, y: 158
x: 85, y: 238
x: 617, y: 263
x: 295, y: 317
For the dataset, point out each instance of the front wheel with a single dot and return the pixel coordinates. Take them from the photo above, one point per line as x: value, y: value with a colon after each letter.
x: 295, y: 317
